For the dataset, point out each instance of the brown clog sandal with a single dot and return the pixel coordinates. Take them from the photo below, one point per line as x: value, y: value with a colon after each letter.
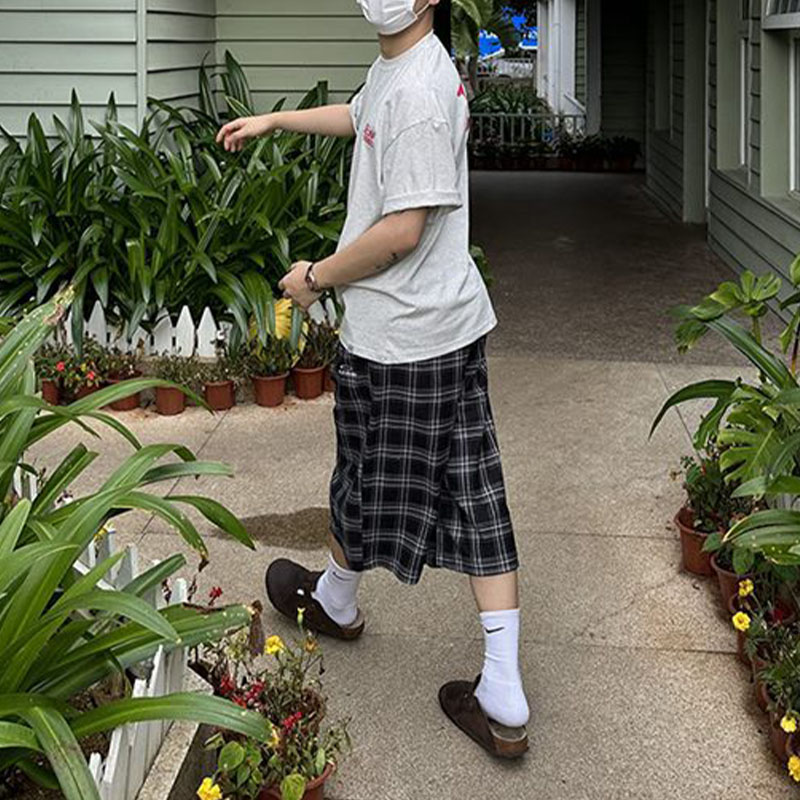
x: 459, y: 703
x: 289, y: 587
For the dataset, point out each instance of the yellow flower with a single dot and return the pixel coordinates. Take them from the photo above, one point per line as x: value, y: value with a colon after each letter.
x: 300, y: 615
x: 275, y: 739
x: 741, y: 621
x: 789, y: 722
x: 311, y: 645
x: 274, y: 646
x: 745, y: 587
x: 209, y: 790
x: 794, y: 767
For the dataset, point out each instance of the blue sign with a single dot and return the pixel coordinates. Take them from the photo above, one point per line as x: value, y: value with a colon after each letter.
x: 489, y: 43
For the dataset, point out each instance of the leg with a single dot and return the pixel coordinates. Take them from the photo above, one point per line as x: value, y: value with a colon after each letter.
x: 496, y: 593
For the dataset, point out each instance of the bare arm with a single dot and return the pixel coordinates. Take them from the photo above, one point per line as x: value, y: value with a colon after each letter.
x: 379, y: 248
x: 333, y: 120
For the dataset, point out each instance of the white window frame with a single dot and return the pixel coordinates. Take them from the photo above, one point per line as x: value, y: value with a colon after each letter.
x: 744, y: 84
x: 794, y: 117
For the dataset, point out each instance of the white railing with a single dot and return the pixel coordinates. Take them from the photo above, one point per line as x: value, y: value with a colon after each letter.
x: 519, y: 128
x: 134, y: 747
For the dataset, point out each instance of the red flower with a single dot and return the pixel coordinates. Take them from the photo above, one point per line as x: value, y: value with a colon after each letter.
x: 90, y: 375
x: 61, y: 366
x: 291, y: 721
x: 214, y: 594
x: 226, y: 685
x: 240, y: 701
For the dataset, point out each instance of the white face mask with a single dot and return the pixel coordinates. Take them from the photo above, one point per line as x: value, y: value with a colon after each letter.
x: 390, y: 16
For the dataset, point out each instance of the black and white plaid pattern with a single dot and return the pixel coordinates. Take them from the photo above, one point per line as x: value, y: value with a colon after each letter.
x: 418, y: 478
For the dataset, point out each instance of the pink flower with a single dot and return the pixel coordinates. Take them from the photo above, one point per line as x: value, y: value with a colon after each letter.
x: 61, y: 366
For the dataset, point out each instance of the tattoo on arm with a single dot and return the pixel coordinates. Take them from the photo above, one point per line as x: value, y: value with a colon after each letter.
x: 390, y: 262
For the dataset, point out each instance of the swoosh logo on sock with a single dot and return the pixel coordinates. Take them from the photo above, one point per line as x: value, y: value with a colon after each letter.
x: 494, y: 630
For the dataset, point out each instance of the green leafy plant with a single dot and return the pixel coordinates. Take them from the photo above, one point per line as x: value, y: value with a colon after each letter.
x: 276, y: 357
x: 289, y: 694
x: 60, y: 630
x: 319, y: 345
x: 150, y: 220
x: 756, y: 425
x: 120, y: 365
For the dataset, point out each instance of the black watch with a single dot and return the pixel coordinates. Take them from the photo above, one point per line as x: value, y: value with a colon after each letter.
x: 311, y: 279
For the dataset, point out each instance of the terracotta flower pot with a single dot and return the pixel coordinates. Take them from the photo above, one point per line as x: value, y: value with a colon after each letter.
x: 127, y: 403
x: 315, y: 790
x: 778, y: 737
x: 694, y: 559
x: 308, y: 382
x: 50, y: 392
x: 328, y: 384
x: 791, y: 745
x: 220, y: 395
x: 762, y: 698
x: 270, y: 389
x: 85, y: 391
x: 728, y: 581
x: 170, y: 402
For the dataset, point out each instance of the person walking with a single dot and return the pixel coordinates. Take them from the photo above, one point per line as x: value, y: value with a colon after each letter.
x: 418, y: 479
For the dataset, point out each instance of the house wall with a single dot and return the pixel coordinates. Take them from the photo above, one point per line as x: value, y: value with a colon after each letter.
x: 748, y: 225
x: 624, y: 45
x: 180, y: 33
x: 664, y: 139
x: 580, y: 51
x: 47, y: 47
x: 286, y: 46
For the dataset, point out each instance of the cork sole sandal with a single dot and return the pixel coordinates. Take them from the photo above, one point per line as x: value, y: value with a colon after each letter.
x: 289, y: 587
x: 459, y: 703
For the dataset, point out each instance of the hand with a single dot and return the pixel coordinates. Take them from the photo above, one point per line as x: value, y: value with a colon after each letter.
x: 294, y: 285
x: 234, y: 135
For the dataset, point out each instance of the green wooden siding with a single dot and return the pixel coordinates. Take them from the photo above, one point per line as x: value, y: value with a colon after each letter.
x: 179, y: 34
x: 49, y: 47
x: 665, y: 147
x: 580, y: 51
x: 287, y: 46
x: 624, y: 47
x: 745, y: 229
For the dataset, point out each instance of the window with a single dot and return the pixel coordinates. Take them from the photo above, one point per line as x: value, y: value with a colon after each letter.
x: 782, y: 14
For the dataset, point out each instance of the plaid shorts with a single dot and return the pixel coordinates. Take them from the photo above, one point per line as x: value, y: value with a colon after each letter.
x: 418, y: 478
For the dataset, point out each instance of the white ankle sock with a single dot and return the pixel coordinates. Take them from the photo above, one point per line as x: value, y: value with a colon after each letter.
x: 500, y: 692
x: 336, y: 592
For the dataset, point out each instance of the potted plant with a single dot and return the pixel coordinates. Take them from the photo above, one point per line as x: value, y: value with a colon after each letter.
x: 709, y: 508
x: 269, y: 365
x: 622, y: 152
x: 83, y: 375
x: 221, y: 376
x: 780, y: 685
x: 566, y: 150
x: 754, y: 620
x: 120, y: 367
x: 590, y: 153
x: 307, y: 374
x: 177, y: 369
x: 51, y: 365
x: 304, y: 750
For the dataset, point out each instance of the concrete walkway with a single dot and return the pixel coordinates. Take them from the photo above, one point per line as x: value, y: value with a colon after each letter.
x: 629, y: 664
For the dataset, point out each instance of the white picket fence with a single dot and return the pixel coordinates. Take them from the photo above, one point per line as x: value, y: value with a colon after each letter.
x: 186, y: 337
x: 133, y: 748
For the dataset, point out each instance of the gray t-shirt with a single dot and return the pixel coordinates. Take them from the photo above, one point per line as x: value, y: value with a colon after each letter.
x: 412, y: 122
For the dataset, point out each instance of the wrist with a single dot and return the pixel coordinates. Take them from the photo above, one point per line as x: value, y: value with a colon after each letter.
x: 321, y: 275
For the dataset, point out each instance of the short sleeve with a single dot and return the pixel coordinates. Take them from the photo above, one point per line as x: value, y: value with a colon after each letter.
x: 419, y: 169
x: 354, y: 106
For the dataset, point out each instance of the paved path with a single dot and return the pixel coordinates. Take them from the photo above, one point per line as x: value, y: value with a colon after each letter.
x: 629, y: 664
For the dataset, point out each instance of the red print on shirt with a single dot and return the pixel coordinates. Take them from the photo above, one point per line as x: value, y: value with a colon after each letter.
x: 461, y: 91
x: 369, y: 135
